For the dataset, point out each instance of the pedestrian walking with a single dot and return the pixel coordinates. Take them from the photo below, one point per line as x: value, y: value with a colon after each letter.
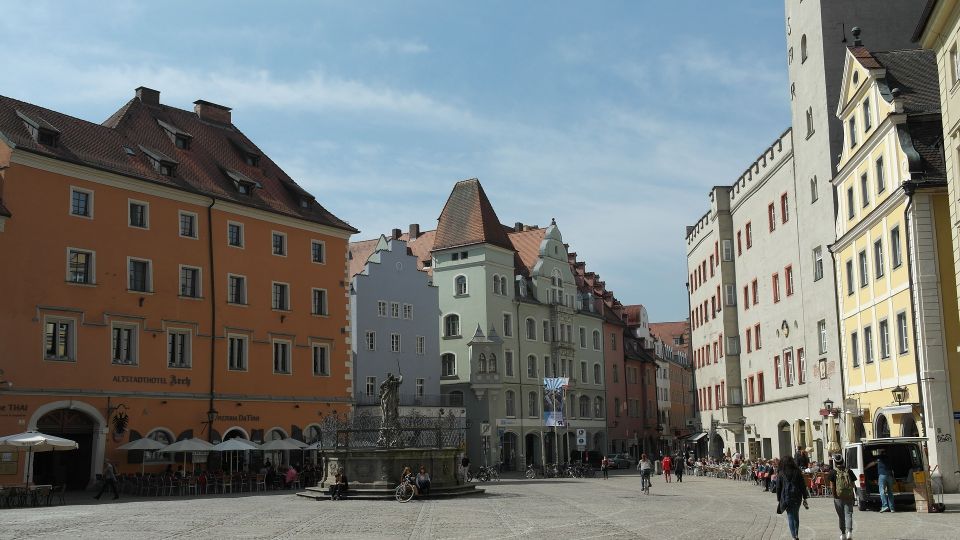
x: 465, y: 468
x: 842, y: 481
x: 791, y: 493
x: 678, y: 467
x: 109, y: 480
x: 605, y: 466
x: 667, y: 464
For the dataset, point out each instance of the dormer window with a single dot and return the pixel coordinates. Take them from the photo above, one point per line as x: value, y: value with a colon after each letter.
x: 162, y: 163
x: 250, y: 155
x: 252, y: 159
x: 42, y: 131
x: 243, y: 183
x: 181, y: 139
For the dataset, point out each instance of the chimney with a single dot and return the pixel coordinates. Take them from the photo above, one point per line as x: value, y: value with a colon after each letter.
x: 148, y: 96
x: 414, y: 231
x: 211, y: 112
x: 396, y: 234
x: 518, y: 226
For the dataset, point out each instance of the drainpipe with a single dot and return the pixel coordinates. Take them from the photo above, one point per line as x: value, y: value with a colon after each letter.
x: 213, y: 315
x: 908, y: 189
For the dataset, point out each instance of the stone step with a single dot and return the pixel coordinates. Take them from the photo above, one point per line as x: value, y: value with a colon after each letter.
x: 318, y: 494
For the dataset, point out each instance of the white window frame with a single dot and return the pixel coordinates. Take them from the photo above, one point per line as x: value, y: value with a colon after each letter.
x: 146, y: 214
x: 408, y: 312
x: 244, y: 293
x: 421, y: 345
x: 726, y: 250
x: 90, y: 199
x: 546, y: 331
x: 396, y: 342
x: 286, y: 246
x: 459, y: 328
x: 324, y: 310
x: 729, y: 294
x: 289, y: 356
x: 71, y: 348
x: 381, y: 308
x: 822, y: 339
x: 456, y: 285
x: 883, y: 334
x: 187, y: 360
x: 370, y: 386
x: 394, y: 310
x: 92, y: 271
x: 452, y: 372
x: 508, y: 363
x: 903, y: 333
x: 583, y: 337
x: 196, y: 224
x: 132, y: 346
x: 370, y: 339
x: 818, y: 263
x: 323, y: 251
x: 597, y: 340
x: 243, y: 241
x: 421, y: 383
x: 199, y: 281
x: 245, y: 353
x: 149, y: 275
x: 314, y: 347
x: 896, y: 249
x: 526, y: 328
x: 510, y: 404
x: 273, y: 306
x: 507, y: 324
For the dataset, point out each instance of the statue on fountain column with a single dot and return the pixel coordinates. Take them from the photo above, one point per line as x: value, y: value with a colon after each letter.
x: 389, y: 411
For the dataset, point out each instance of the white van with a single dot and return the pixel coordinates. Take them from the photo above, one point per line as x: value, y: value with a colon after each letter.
x: 906, y: 456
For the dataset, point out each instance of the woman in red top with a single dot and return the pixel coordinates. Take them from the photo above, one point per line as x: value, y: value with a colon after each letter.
x: 666, y: 463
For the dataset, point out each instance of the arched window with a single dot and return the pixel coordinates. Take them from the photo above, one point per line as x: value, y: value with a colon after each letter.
x: 312, y: 434
x: 482, y: 363
x: 584, y: 407
x: 533, y: 404
x: 596, y: 374
x: 616, y: 407
x: 448, y: 365
x: 451, y: 325
x: 803, y: 48
x: 555, y: 279
x: 532, y: 367
x: 496, y: 284
x: 511, y: 406
x: 161, y: 436
x: 503, y: 286
x: 596, y: 340
x: 598, y: 407
x: 460, y: 285
x: 531, y: 328
x: 492, y: 363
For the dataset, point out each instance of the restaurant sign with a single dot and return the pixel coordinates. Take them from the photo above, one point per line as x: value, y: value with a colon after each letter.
x: 238, y: 418
x: 172, y: 380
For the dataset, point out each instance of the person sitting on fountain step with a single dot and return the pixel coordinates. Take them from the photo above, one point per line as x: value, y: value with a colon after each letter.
x: 338, y: 489
x: 423, y: 481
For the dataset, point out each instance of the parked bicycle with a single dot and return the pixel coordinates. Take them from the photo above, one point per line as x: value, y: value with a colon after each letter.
x: 404, y: 491
x: 531, y: 472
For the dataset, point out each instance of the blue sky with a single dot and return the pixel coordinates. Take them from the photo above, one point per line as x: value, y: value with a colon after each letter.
x: 613, y: 117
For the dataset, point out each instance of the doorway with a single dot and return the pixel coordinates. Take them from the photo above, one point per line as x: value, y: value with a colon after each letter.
x: 71, y: 468
x: 509, y: 453
x: 784, y: 439
x: 532, y: 450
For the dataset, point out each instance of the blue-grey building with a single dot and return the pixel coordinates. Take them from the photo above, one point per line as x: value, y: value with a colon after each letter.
x: 394, y: 314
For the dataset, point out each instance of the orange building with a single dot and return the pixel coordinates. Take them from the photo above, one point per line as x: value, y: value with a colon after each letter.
x: 160, y: 277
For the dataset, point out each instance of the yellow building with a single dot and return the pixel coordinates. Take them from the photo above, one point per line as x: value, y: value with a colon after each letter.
x: 939, y: 30
x: 893, y: 244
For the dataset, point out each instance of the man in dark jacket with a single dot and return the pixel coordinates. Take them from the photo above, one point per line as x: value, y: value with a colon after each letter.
x: 803, y: 462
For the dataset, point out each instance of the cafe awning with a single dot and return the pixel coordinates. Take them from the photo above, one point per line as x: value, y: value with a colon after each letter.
x: 698, y: 436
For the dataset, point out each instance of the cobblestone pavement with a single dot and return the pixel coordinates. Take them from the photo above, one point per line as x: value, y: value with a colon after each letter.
x: 698, y: 508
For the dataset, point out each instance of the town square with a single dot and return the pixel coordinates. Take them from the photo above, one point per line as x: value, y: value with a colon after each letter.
x: 442, y: 269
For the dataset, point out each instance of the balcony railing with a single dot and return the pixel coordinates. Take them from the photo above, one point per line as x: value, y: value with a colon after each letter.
x: 414, y: 400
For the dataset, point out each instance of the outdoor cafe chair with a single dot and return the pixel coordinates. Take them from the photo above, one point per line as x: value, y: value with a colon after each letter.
x: 226, y: 482
x: 261, y: 482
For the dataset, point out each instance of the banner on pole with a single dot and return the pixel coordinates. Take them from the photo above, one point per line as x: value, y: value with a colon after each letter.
x: 554, y: 389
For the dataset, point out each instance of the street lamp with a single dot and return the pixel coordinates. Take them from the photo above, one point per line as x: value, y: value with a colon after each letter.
x: 899, y: 394
x: 211, y: 416
x: 828, y: 405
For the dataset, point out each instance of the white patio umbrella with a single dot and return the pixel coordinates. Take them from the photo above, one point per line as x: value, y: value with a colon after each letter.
x: 235, y: 445
x: 145, y: 444
x: 187, y: 446
x: 283, y: 444
x: 34, y: 441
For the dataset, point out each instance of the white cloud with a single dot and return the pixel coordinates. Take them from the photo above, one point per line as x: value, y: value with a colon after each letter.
x: 397, y: 46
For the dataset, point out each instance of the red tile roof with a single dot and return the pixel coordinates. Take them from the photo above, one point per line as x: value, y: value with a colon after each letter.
x: 666, y: 331
x: 124, y: 142
x: 359, y: 253
x: 865, y: 57
x: 468, y: 218
x: 527, y: 244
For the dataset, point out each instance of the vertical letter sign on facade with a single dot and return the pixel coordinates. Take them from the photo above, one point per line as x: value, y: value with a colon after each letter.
x: 553, y: 394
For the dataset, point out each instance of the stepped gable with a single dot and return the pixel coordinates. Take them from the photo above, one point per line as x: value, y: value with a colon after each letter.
x: 143, y: 132
x: 468, y: 218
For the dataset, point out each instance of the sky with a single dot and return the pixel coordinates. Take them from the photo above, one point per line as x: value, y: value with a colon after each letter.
x: 614, y: 118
